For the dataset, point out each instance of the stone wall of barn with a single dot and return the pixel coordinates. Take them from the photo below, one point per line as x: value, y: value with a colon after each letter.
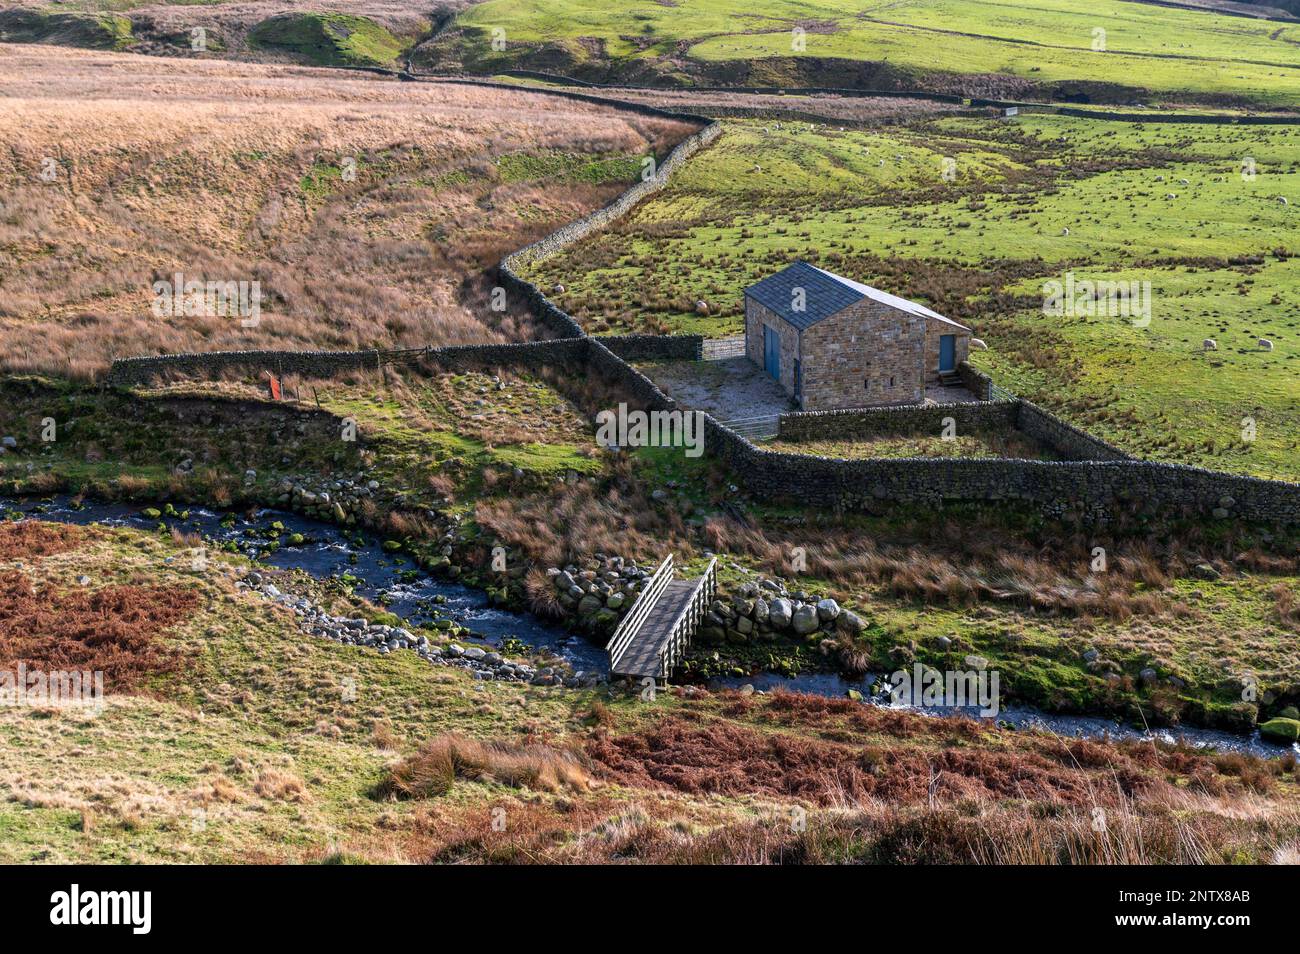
x: 757, y: 317
x: 867, y: 354
x: 934, y: 330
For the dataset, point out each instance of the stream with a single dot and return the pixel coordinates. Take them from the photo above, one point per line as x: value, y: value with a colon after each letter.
x: 394, y: 582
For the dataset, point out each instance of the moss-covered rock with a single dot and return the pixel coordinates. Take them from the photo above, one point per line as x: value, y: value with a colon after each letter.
x: 1283, y: 731
x: 328, y: 39
x: 98, y: 31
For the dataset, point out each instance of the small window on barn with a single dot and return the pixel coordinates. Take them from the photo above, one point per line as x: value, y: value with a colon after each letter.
x: 891, y: 382
x: 866, y: 384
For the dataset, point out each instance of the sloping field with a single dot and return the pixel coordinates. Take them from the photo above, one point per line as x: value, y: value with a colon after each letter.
x: 367, y: 210
x: 975, y: 217
x: 1110, y: 50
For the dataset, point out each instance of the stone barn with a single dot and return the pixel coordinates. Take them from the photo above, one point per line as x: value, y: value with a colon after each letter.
x: 832, y: 342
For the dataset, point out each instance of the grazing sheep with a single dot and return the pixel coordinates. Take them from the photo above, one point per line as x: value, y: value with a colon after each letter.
x: 1283, y: 200
x: 881, y: 162
x: 1209, y: 344
x: 1160, y: 178
x: 702, y: 307
x: 1184, y: 182
x: 978, y: 344
x: 1171, y: 195
x: 558, y: 289
x: 1265, y: 344
x: 1065, y: 231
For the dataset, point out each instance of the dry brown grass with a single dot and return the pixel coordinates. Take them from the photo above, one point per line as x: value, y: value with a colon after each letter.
x: 280, y: 786
x: 433, y: 769
x: 962, y: 564
x: 198, y: 166
x: 1286, y: 606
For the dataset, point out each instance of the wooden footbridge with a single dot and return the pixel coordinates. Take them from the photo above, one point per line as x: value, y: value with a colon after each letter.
x: 656, y: 631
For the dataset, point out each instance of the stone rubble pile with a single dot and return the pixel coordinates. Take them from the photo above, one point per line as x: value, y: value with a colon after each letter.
x: 354, y: 631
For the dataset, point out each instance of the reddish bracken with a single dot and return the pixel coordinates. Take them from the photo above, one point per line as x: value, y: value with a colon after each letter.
x: 31, y: 539
x: 727, y: 759
x: 116, y: 630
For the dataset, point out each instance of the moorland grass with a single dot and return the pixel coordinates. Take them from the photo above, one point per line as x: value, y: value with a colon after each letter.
x: 1025, y: 203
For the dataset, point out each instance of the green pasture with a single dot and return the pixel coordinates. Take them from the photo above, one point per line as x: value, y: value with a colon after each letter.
x: 975, y: 217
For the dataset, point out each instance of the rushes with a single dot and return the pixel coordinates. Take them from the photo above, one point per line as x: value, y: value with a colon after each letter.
x: 435, y: 767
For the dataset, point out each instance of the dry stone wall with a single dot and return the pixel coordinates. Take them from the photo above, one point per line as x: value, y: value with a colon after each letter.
x: 867, y: 423
x: 1064, y: 439
x: 655, y: 347
x: 128, y: 372
x: 1092, y: 489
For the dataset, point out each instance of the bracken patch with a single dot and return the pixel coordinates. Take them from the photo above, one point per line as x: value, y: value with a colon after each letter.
x: 731, y: 760
x: 32, y: 539
x: 114, y: 630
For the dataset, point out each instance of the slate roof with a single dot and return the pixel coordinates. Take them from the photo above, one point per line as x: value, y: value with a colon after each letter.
x: 825, y: 294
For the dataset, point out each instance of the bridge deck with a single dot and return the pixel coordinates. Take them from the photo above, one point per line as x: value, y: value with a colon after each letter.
x: 641, y: 658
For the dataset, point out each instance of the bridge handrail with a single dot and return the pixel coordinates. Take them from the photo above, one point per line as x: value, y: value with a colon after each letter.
x: 645, y: 601
x: 693, y: 611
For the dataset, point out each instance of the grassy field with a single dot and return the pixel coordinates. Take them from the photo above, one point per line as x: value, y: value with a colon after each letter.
x: 970, y: 46
x: 975, y: 217
x: 367, y: 211
x: 246, y: 741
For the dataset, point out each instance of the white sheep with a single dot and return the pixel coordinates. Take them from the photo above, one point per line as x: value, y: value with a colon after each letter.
x: 1171, y: 195
x: 1209, y: 344
x: 1065, y: 231
x: 1283, y: 200
x: 978, y: 344
x: 1265, y: 344
x: 1160, y: 178
x: 1184, y: 182
x: 702, y: 307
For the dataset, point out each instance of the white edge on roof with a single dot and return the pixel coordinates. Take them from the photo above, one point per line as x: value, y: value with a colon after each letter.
x: 875, y: 294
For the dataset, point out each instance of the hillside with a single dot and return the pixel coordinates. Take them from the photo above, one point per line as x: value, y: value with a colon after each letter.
x: 370, y: 33
x: 412, y: 189
x: 1045, y: 49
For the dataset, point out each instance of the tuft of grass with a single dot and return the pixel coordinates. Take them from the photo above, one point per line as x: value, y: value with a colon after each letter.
x: 433, y: 769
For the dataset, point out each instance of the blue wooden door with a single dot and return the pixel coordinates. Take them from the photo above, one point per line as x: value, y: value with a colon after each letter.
x: 947, y: 352
x: 772, y: 352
